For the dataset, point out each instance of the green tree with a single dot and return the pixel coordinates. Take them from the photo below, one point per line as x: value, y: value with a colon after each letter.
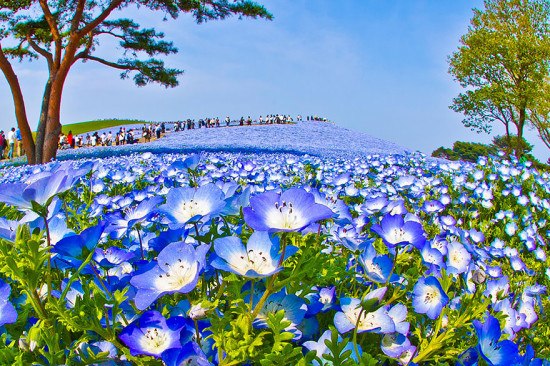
x: 508, y: 143
x: 503, y: 62
x: 64, y: 32
x: 467, y: 151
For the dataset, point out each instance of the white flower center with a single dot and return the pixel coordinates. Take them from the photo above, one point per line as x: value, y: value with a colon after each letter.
x: 284, y: 216
x: 154, y: 341
x: 398, y: 235
x: 257, y: 261
x: 176, y: 276
x: 432, y: 295
x: 193, y: 208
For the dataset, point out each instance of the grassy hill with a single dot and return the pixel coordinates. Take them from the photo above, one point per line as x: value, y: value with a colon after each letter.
x: 83, y: 127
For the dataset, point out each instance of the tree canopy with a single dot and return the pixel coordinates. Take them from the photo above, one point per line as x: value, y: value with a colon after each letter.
x: 503, y: 62
x: 64, y: 32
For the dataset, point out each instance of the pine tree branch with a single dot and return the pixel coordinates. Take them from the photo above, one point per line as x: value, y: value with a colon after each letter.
x: 47, y: 55
x: 101, y: 17
x: 109, y: 63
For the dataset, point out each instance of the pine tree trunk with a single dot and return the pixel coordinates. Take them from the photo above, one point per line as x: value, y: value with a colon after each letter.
x: 41, y: 131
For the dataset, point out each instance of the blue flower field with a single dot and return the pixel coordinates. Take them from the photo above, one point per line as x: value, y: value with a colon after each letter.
x: 302, y: 244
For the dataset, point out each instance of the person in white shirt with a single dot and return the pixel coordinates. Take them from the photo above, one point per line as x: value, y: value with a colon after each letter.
x: 11, y: 142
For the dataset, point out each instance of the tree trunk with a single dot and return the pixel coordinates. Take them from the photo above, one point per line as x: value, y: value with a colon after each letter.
x: 41, y: 131
x: 519, y: 150
x: 509, y: 143
x: 20, y: 111
x: 53, y: 122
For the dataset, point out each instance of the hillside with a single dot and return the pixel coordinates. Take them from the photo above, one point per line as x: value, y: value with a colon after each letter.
x: 313, y: 138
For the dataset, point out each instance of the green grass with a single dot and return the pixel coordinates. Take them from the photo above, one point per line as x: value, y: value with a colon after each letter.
x: 83, y: 127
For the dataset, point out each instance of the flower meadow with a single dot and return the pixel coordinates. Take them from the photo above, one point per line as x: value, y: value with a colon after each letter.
x: 274, y: 259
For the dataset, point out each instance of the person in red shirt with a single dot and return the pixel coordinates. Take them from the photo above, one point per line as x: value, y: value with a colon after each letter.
x: 70, y: 139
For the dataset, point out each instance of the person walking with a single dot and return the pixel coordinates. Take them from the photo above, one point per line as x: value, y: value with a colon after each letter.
x: 11, y: 142
x: 19, y: 141
x: 3, y: 144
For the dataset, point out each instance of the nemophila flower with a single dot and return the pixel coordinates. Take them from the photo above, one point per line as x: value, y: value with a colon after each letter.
x: 321, y: 300
x: 517, y: 264
x: 190, y: 354
x: 79, y: 245
x: 8, y: 229
x: 185, y: 205
x: 376, y: 267
x: 75, y: 291
x: 320, y: 348
x: 8, y: 314
x: 511, y: 228
x: 152, y: 334
x: 352, y: 315
x: 396, y: 231
x: 177, y: 270
x: 458, y: 258
x: 429, y: 297
x: 494, y: 352
x: 432, y: 256
x: 469, y: 357
x: 494, y: 287
x: 398, y: 313
x: 432, y: 206
x: 294, y: 307
x: 120, y: 224
x: 338, y: 206
x: 112, y: 256
x: 292, y: 210
x: 407, y: 356
x: 41, y: 191
x: 394, y: 344
x: 374, y: 205
x: 260, y: 257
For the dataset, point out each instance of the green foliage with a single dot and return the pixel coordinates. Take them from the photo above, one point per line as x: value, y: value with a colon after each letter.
x: 503, y: 62
x: 83, y: 127
x: 508, y: 143
x: 468, y: 151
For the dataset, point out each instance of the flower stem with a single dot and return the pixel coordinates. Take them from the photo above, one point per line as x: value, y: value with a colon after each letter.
x: 198, y: 333
x: 49, y: 269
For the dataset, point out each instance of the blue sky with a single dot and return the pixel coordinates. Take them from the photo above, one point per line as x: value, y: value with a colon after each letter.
x: 378, y: 67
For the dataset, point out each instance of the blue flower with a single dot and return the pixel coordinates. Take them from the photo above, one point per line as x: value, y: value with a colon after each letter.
x: 295, y: 309
x: 429, y: 297
x: 321, y: 301
x: 320, y: 348
x: 120, y: 225
x: 292, y: 210
x: 177, y: 270
x: 394, y: 344
x: 41, y: 191
x: 494, y: 352
x: 152, y: 334
x: 189, y: 354
x: 79, y: 245
x: 468, y: 358
x: 458, y: 258
x: 112, y: 256
x: 260, y: 258
x: 185, y: 205
x: 377, y: 267
x: 8, y: 314
x: 377, y: 321
x: 396, y: 231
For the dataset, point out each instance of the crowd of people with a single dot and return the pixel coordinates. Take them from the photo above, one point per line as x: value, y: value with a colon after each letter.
x: 12, y: 143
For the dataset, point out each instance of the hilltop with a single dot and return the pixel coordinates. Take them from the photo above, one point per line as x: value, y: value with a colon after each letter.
x: 313, y: 138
